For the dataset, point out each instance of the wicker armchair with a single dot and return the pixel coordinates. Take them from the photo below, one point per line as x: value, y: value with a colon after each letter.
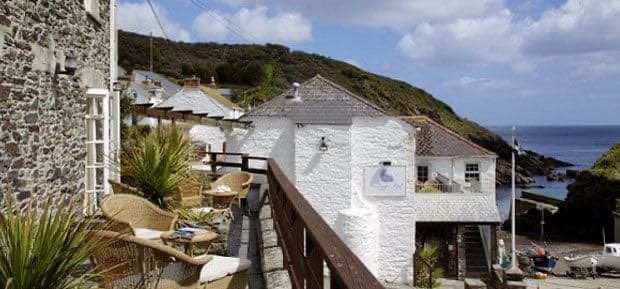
x: 145, y: 219
x: 191, y: 194
x: 128, y: 262
x: 237, y: 181
x: 120, y: 188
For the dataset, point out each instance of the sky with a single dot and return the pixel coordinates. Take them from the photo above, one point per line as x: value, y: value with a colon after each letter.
x: 496, y: 62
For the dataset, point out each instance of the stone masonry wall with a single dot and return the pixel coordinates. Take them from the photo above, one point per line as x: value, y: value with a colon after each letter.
x: 42, y: 127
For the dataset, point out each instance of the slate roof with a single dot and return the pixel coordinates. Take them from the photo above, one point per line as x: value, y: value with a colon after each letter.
x: 433, y: 139
x: 170, y: 88
x: 322, y: 102
x: 456, y: 207
x: 194, y: 99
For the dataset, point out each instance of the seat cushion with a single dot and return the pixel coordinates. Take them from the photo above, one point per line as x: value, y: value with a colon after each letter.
x: 202, y: 211
x: 147, y: 234
x: 220, y: 267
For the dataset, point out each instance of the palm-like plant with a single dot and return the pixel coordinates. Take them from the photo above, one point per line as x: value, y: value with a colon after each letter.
x: 43, y: 247
x: 158, y: 164
x: 426, y: 272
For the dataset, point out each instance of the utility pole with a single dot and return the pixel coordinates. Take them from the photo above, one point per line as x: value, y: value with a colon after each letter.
x: 513, y: 200
x: 151, y: 54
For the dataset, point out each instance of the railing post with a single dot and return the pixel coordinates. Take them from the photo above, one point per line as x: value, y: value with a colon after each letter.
x: 244, y: 162
x: 212, y: 161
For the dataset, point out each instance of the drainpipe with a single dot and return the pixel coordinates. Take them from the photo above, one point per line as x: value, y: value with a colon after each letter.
x: 115, y: 111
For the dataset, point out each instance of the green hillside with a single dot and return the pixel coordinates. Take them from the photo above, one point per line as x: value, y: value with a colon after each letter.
x: 259, y: 72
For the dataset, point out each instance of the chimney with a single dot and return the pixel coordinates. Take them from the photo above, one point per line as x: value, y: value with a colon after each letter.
x: 295, y: 96
x: 212, y: 84
x: 191, y: 82
x: 157, y: 83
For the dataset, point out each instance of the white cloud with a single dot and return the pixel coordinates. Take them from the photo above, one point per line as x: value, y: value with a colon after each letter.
x: 477, y: 83
x: 353, y: 62
x: 255, y: 25
x: 575, y: 27
x: 489, y: 39
x: 387, y: 13
x: 581, y: 36
x: 138, y: 17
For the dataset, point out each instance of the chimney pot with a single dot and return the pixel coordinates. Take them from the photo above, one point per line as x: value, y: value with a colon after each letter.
x: 212, y: 82
x: 191, y: 82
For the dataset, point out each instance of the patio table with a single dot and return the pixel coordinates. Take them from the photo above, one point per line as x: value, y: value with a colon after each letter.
x: 202, y: 238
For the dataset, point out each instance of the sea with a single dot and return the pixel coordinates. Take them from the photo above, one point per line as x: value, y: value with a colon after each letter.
x: 578, y: 145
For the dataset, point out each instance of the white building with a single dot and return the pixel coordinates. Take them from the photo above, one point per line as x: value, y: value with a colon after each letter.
x: 333, y: 144
x: 455, y: 199
x: 153, y: 89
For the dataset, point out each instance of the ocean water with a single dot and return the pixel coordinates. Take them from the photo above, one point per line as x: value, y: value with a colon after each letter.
x: 579, y: 145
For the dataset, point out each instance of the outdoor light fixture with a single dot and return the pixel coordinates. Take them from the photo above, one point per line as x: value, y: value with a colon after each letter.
x: 117, y: 86
x: 71, y: 63
x: 323, y: 145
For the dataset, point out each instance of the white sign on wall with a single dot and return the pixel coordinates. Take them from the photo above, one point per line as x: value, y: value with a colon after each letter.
x: 385, y: 181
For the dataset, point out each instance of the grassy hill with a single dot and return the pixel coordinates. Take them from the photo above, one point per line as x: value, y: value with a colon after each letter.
x: 259, y: 72
x: 591, y: 199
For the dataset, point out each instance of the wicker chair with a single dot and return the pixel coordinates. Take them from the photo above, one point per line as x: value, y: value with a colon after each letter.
x: 145, y: 219
x: 236, y: 181
x: 128, y: 262
x: 190, y: 194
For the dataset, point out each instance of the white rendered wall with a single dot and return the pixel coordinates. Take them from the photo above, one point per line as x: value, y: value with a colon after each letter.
x: 324, y: 178
x: 374, y: 140
x: 444, y: 166
x: 212, y: 136
x: 269, y: 137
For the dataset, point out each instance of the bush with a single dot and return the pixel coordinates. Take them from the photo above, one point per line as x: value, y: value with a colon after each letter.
x: 44, y: 248
x: 158, y: 163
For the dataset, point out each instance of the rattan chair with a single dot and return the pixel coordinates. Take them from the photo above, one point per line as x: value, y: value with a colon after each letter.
x: 129, y: 262
x: 145, y: 219
x: 237, y: 181
x: 120, y: 188
x: 191, y: 194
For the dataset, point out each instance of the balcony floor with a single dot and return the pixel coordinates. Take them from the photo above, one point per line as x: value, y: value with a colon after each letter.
x: 243, y: 238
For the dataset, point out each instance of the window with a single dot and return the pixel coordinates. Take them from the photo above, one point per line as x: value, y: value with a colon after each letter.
x: 422, y: 173
x: 608, y: 250
x: 472, y: 173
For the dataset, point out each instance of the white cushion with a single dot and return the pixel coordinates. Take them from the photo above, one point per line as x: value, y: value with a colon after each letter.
x: 147, y: 234
x: 220, y: 267
x: 202, y: 211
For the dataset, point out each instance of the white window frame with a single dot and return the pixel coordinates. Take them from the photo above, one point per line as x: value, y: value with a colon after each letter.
x: 472, y: 172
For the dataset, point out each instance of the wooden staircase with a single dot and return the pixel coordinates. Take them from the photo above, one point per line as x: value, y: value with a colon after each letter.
x: 475, y: 257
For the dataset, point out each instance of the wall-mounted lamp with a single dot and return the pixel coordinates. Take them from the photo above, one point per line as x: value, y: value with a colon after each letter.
x: 323, y: 145
x: 71, y: 63
x: 386, y: 163
x: 117, y: 86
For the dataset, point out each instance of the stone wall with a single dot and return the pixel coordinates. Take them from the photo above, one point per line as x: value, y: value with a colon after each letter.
x: 42, y: 128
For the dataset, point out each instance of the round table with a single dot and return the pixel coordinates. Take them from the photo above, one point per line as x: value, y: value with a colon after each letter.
x: 201, y: 238
x: 221, y: 200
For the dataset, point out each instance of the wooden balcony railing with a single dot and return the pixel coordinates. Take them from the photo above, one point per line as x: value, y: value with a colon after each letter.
x: 307, y: 241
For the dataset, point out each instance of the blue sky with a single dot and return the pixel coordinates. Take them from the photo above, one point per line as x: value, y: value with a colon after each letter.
x: 526, y: 62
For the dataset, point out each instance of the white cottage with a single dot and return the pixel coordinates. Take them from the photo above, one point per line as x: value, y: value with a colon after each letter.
x: 455, y: 199
x: 351, y: 160
x: 202, y: 100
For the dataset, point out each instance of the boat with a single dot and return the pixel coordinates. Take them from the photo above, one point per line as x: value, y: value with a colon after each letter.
x: 581, y: 261
x: 581, y: 266
x: 544, y: 263
x: 610, y: 258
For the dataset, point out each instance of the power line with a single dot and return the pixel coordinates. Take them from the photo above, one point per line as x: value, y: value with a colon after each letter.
x: 163, y: 31
x: 227, y: 24
x: 231, y: 23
